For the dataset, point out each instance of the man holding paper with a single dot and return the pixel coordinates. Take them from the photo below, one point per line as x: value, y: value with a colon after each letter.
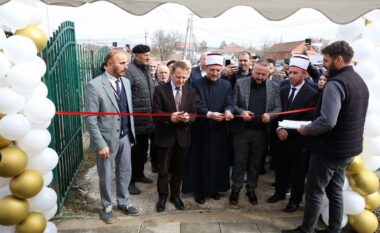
x: 292, y: 162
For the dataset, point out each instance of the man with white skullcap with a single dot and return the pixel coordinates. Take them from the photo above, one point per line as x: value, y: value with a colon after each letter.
x: 292, y: 161
x: 207, y: 171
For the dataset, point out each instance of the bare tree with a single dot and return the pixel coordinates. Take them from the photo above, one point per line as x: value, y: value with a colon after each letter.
x: 165, y: 43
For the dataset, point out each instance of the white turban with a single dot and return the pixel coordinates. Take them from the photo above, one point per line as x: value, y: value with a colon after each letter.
x: 214, y: 59
x: 300, y: 61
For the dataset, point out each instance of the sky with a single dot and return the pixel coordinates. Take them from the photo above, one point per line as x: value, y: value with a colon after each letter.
x: 101, y: 22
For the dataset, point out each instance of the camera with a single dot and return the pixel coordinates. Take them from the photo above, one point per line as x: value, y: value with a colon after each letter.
x: 308, y: 41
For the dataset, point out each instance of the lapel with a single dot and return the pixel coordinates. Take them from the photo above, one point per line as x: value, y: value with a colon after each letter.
x: 299, y: 97
x: 185, y: 92
x: 126, y: 87
x: 109, y: 90
x: 246, y: 89
x: 169, y: 93
x: 269, y: 89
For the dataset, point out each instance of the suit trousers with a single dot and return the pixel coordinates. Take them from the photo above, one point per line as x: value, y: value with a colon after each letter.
x: 139, y: 156
x: 249, y: 148
x: 325, y: 174
x: 291, y: 169
x: 121, y: 160
x: 170, y: 160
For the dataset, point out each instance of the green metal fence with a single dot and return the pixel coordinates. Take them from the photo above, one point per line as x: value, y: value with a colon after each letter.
x: 69, y: 68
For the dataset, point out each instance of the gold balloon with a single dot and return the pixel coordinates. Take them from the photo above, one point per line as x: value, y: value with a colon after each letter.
x: 33, y: 223
x: 27, y: 184
x: 12, y: 162
x: 13, y: 210
x: 356, y: 166
x: 365, y: 222
x: 372, y: 201
x: 1, y: 115
x: 4, y: 142
x: 365, y: 182
x: 36, y: 34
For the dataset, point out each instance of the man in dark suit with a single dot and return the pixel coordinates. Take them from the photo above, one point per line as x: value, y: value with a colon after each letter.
x: 173, y: 133
x: 198, y: 71
x: 254, y: 99
x: 293, y: 157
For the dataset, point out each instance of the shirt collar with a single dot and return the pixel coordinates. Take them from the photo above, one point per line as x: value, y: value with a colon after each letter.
x: 111, y: 78
x: 297, y: 87
x: 173, y: 86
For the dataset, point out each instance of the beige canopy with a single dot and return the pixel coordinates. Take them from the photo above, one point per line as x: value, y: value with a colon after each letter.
x: 339, y: 11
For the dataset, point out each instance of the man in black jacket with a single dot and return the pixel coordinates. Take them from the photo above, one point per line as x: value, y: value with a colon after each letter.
x: 338, y: 137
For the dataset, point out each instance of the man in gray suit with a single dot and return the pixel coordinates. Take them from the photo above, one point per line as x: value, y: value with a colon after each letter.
x: 255, y: 98
x: 111, y: 137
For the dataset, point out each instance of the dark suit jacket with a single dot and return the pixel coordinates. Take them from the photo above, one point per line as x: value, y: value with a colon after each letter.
x: 195, y: 74
x: 306, y: 97
x: 167, y: 132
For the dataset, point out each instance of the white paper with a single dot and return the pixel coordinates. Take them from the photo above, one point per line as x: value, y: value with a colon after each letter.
x: 289, y: 124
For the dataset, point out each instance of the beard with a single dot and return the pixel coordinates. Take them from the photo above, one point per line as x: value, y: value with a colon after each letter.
x: 332, y: 70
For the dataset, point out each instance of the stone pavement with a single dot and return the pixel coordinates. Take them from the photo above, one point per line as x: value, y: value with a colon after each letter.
x: 211, y: 217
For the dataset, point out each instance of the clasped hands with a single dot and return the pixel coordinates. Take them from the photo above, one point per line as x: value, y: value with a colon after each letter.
x: 217, y: 116
x: 180, y: 117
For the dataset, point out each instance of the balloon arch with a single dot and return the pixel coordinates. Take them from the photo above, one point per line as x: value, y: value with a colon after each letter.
x: 26, y: 162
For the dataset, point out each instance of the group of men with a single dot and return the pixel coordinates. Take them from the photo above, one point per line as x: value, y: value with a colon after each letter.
x: 198, y: 114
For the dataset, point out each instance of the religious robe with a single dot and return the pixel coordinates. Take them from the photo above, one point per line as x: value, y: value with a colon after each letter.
x: 207, y: 165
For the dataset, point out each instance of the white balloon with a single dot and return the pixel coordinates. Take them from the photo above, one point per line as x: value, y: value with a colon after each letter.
x: 35, y: 141
x: 40, y: 65
x: 40, y: 91
x: 4, y: 181
x: 51, y: 213
x: 10, y: 101
x: 7, y: 229
x: 44, y: 162
x: 353, y: 203
x: 4, y: 82
x: 5, y: 65
x: 373, y: 104
x: 362, y: 49
x: 14, y: 126
x: 367, y: 69
x: 372, y: 33
x: 42, y: 125
x: 351, y: 31
x: 3, y: 37
x: 5, y: 191
x: 50, y: 228
x: 43, y: 201
x: 372, y: 125
x: 24, y: 78
x: 372, y: 162
x: 13, y: 14
x: 48, y: 178
x: 374, y: 145
x: 20, y: 49
x: 346, y: 184
x: 326, y: 217
x: 376, y: 56
x: 35, y: 10
x: 39, y: 109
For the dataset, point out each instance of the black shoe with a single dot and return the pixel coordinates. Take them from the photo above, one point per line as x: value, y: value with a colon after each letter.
x: 145, y: 180
x: 133, y: 190
x: 106, y: 215
x: 177, y: 203
x: 275, y: 198
x: 297, y: 230
x: 291, y: 207
x: 154, y: 169
x: 161, y: 204
x: 129, y: 210
x: 252, y: 197
x: 215, y: 196
x: 234, y: 197
x: 200, y: 199
x: 273, y: 185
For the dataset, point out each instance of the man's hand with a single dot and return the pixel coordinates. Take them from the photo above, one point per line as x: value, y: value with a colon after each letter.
x: 282, y: 134
x: 228, y: 116
x: 302, y: 130
x: 230, y: 70
x: 217, y: 116
x: 265, y: 118
x: 247, y: 115
x: 183, y: 117
x: 104, y: 153
x: 175, y: 116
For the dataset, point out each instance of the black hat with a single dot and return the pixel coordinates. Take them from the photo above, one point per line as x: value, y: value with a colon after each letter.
x: 141, y: 48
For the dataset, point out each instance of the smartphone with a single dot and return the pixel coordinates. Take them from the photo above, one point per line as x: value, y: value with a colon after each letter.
x: 227, y: 62
x: 307, y: 41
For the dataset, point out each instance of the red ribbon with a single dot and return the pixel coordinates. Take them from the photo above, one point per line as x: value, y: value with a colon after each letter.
x: 139, y: 114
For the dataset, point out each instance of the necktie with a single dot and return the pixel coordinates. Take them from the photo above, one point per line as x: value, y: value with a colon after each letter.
x: 177, y: 98
x: 118, y: 91
x: 290, y: 99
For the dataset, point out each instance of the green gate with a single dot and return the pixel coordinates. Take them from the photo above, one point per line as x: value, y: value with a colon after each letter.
x: 69, y: 68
